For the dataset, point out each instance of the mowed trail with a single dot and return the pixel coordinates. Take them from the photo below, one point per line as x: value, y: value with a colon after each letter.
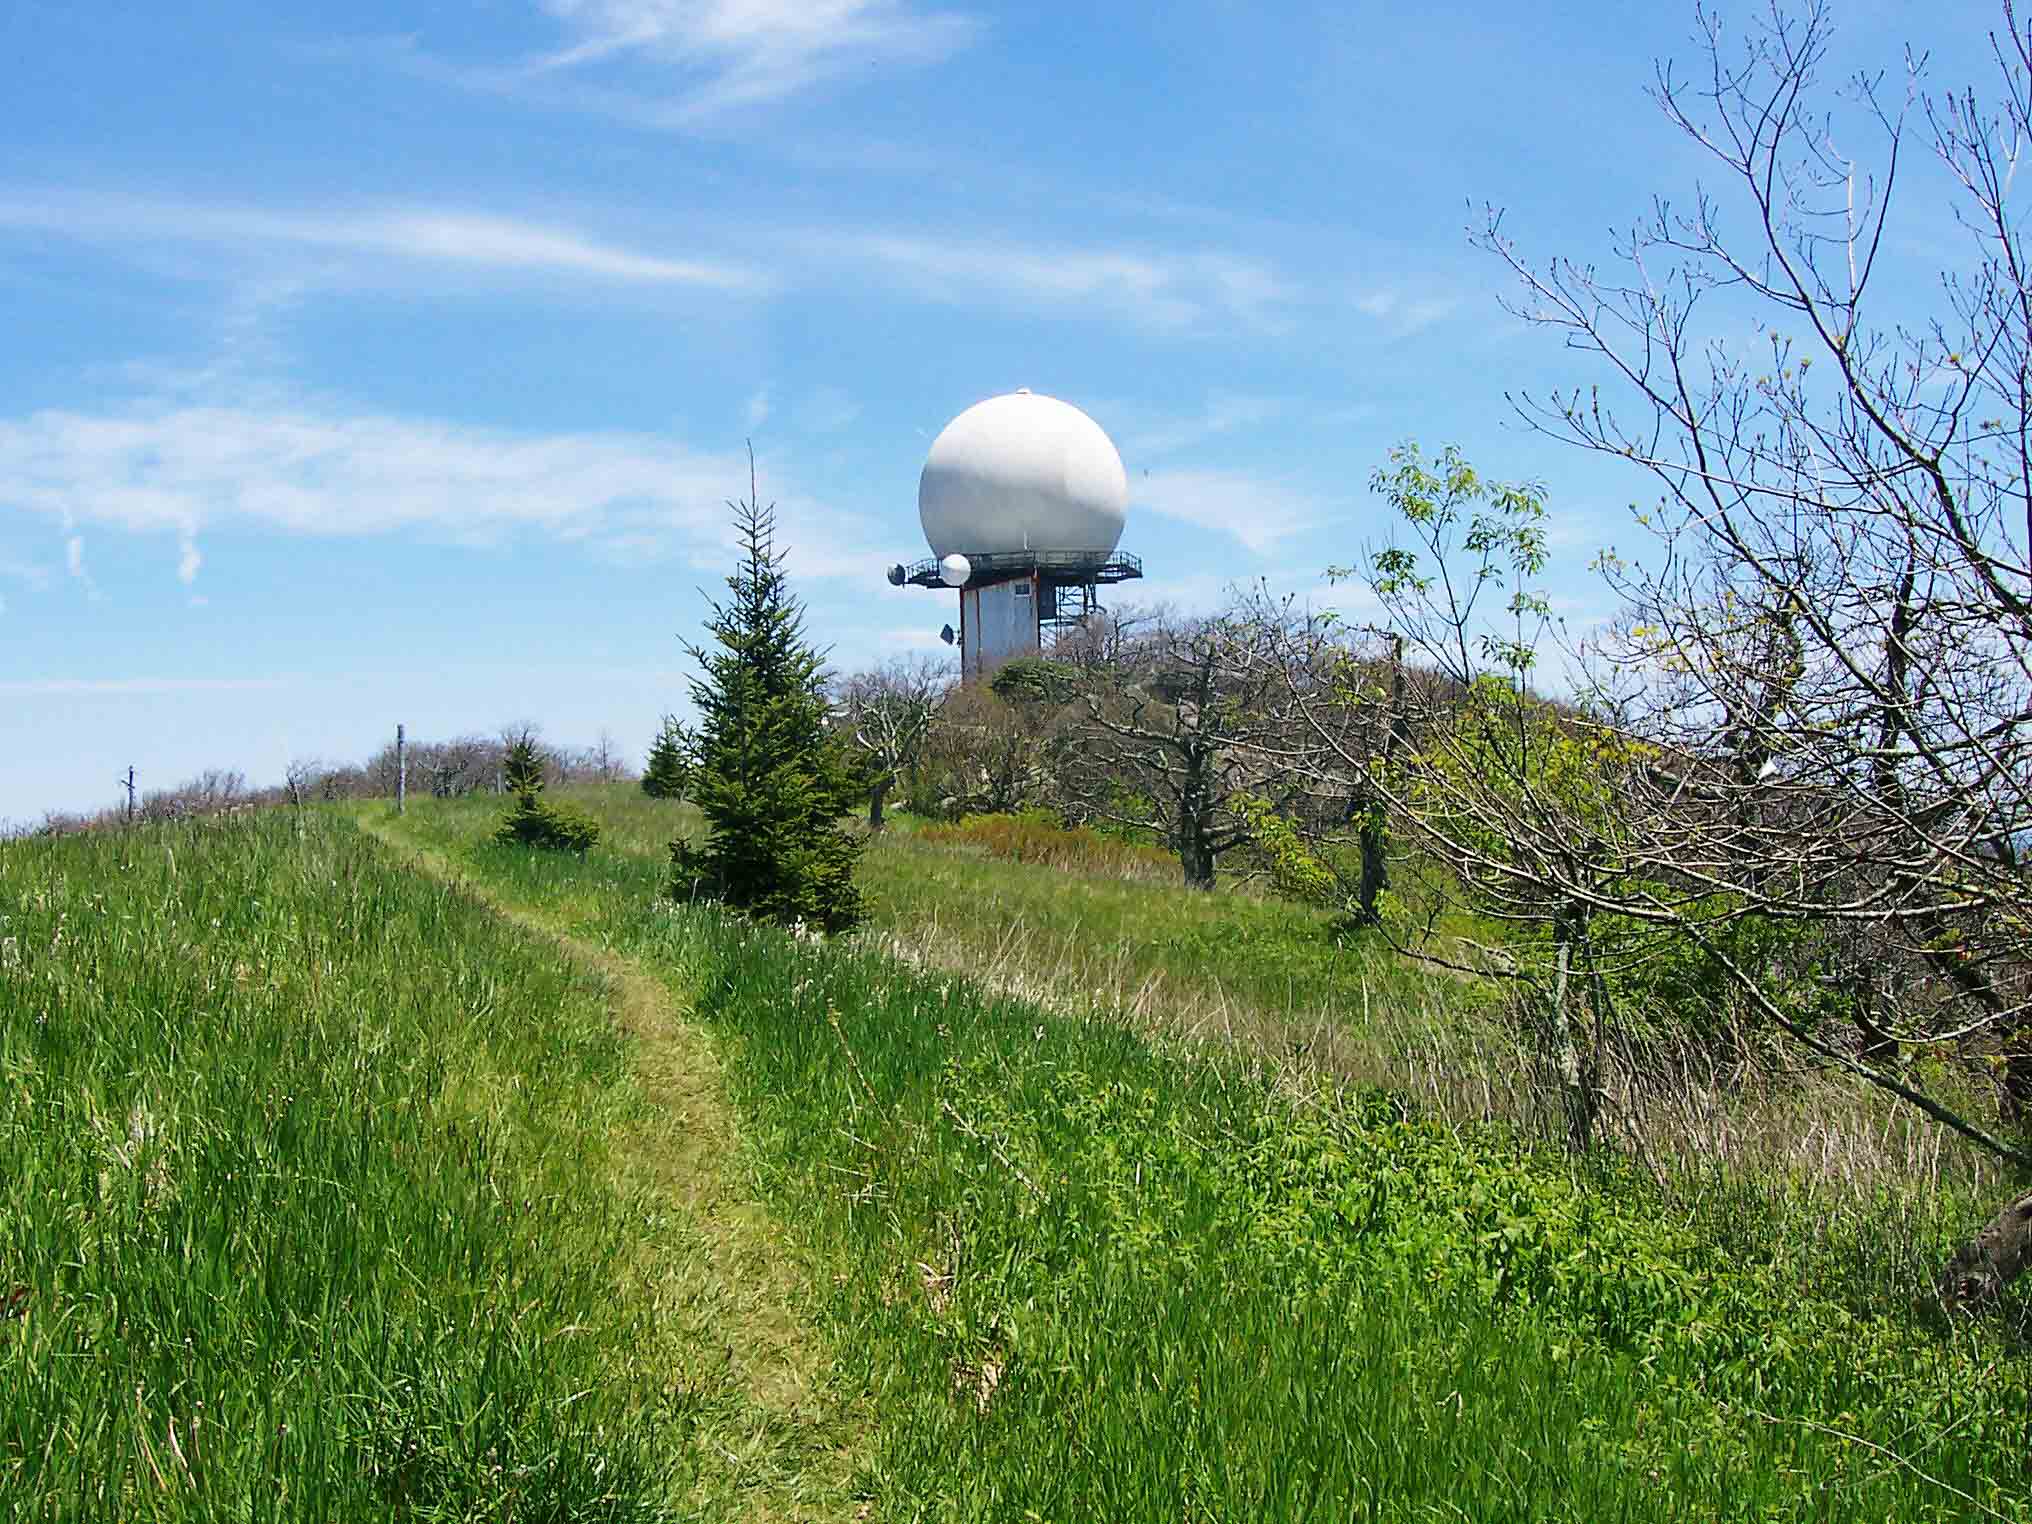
x: 716, y: 1263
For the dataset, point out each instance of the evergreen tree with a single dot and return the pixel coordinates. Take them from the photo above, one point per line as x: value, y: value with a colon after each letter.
x: 770, y: 776
x: 664, y: 778
x: 554, y: 827
x: 523, y: 771
x: 533, y: 822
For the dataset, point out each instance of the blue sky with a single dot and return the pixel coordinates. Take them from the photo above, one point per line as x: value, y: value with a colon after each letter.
x: 393, y: 362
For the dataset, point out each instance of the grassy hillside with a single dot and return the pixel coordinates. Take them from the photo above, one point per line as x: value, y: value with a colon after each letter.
x: 319, y: 1202
x: 1121, y: 939
x: 1084, y: 1269
x: 1283, y: 984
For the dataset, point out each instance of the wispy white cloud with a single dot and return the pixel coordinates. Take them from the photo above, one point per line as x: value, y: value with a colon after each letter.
x: 27, y: 572
x: 482, y: 240
x: 1145, y: 434
x: 1191, y: 592
x: 1182, y: 592
x: 1160, y: 289
x: 826, y: 410
x: 55, y: 687
x: 1403, y: 313
x: 915, y: 638
x: 1165, y: 290
x: 758, y: 408
x: 723, y: 55
x: 816, y: 541
x: 177, y: 470
x: 463, y: 238
x: 1256, y: 511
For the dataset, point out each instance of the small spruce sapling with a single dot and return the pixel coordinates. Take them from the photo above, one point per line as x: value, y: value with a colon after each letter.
x: 770, y: 776
x: 666, y: 776
x: 534, y: 823
x: 522, y: 773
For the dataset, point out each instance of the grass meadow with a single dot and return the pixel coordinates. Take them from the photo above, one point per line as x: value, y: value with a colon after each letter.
x: 313, y: 1207
x: 1112, y: 934
x: 1073, y: 1263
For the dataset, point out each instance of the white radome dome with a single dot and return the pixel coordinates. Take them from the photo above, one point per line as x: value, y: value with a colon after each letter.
x: 1021, y: 473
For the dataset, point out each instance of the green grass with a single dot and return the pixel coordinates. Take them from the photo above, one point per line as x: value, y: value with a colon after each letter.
x: 1107, y: 941
x: 1083, y: 1272
x: 1281, y: 983
x: 311, y: 1208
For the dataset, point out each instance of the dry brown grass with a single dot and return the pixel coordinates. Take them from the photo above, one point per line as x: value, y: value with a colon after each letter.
x: 1027, y: 839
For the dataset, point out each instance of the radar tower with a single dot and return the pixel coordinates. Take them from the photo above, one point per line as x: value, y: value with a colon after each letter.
x: 1023, y: 500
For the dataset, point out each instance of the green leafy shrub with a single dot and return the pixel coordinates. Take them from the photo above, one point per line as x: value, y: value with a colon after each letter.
x: 1035, y: 679
x: 1673, y: 985
x: 1131, y: 806
x: 1297, y: 870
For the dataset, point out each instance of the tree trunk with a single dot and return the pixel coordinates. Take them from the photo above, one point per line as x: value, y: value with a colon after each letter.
x: 1374, y: 834
x: 1878, y: 1046
x: 1987, y: 1263
x: 1195, y: 851
x: 1572, y: 1055
x: 1375, y: 874
x: 875, y: 797
x: 2018, y: 1086
x: 2015, y: 1078
x: 1195, y: 856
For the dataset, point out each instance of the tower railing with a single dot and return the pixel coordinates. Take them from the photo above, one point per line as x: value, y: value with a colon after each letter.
x: 1089, y: 567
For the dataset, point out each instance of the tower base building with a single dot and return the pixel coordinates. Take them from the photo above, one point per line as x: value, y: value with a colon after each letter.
x: 1010, y: 603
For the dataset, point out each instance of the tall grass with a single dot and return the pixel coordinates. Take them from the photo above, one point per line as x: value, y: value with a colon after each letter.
x: 1094, y: 1279
x: 307, y: 1209
x: 1284, y: 983
x: 1100, y: 935
x: 1085, y: 1270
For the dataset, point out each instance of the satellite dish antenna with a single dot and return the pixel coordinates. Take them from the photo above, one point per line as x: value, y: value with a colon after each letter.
x: 946, y: 635
x: 954, y: 570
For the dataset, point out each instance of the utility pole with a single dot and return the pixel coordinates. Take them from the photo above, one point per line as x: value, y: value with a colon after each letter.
x: 130, y: 793
x: 401, y: 771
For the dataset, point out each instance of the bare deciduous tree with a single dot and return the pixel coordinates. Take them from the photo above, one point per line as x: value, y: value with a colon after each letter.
x: 302, y: 778
x: 888, y: 712
x: 1192, y: 729
x: 1105, y: 635
x: 988, y: 753
x: 1822, y: 699
x: 1518, y: 802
